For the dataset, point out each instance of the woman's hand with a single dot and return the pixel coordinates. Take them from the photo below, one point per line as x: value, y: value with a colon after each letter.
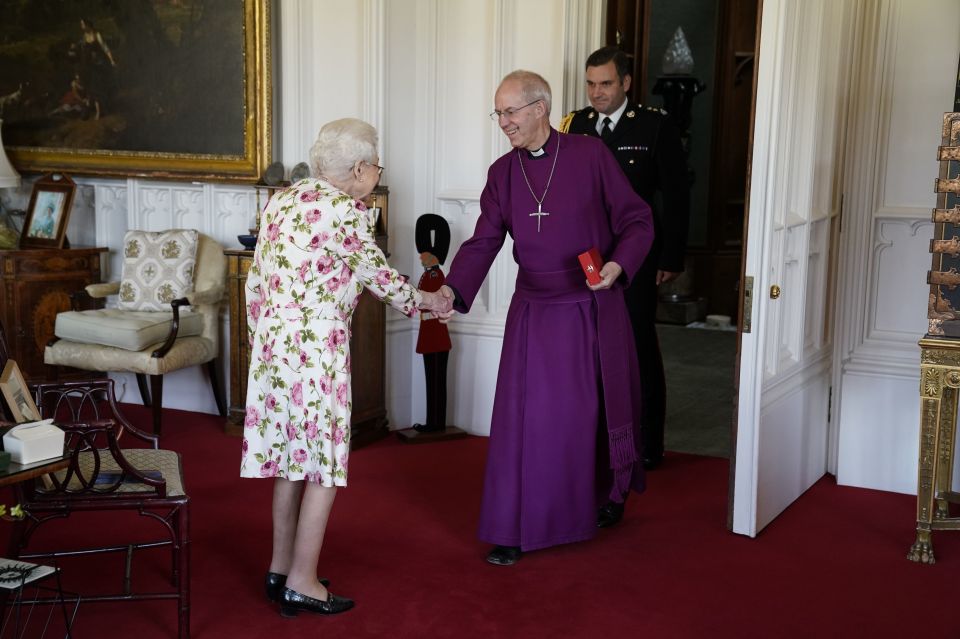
x: 608, y: 275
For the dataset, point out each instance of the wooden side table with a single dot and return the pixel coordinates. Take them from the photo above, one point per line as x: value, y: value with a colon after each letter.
x: 939, y: 384
x: 35, y: 285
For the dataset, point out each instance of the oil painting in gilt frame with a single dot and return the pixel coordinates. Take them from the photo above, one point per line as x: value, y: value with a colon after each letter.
x: 157, y: 88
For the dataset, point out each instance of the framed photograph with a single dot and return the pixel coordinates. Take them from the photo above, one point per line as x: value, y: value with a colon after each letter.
x: 17, y: 394
x: 177, y: 89
x: 45, y: 225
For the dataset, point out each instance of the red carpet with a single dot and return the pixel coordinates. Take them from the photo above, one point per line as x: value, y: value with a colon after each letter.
x: 402, y: 543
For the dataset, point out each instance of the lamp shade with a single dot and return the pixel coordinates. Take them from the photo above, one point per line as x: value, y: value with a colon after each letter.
x: 8, y: 175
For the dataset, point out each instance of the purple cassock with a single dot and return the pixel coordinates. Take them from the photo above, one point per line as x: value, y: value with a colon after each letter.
x: 565, y: 433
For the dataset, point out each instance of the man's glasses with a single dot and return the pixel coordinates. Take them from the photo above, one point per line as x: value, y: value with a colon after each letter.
x: 509, y: 113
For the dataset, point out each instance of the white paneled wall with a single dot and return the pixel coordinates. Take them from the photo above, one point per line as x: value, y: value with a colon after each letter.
x: 902, y: 84
x: 424, y: 73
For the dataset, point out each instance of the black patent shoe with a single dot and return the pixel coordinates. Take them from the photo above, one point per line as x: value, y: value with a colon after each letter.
x: 609, y: 514
x: 504, y: 555
x: 292, y: 603
x: 275, y: 583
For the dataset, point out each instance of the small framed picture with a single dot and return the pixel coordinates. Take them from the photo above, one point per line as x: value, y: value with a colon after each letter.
x: 17, y: 394
x: 46, y: 223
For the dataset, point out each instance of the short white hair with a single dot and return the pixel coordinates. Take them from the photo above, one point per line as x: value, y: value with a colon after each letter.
x: 533, y: 86
x: 340, y: 145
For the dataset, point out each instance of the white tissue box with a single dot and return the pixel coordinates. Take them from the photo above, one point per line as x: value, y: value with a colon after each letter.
x: 33, y: 442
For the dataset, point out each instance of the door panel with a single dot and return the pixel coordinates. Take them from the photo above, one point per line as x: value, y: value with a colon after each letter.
x: 785, y: 365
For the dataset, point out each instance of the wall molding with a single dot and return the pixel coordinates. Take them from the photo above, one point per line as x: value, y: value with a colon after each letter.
x: 374, y: 66
x: 582, y: 35
x: 903, y: 213
x: 876, y: 42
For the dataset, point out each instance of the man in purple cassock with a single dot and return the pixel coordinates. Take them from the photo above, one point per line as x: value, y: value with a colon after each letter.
x: 565, y: 433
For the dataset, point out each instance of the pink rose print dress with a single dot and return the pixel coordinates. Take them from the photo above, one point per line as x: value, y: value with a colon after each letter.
x: 315, y: 254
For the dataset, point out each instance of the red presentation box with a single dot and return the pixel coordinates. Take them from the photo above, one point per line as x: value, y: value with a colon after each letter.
x: 591, y: 263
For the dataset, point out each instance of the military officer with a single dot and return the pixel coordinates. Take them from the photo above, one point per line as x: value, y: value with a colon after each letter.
x: 646, y: 144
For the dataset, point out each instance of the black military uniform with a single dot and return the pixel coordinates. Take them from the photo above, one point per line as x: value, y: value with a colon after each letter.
x: 647, y: 146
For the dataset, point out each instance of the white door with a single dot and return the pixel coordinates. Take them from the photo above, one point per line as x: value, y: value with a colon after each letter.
x: 793, y: 221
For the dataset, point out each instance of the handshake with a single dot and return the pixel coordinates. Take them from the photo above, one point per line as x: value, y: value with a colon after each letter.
x: 439, y: 303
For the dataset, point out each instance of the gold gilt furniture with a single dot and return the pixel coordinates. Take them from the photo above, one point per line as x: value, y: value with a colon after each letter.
x: 367, y: 344
x: 940, y: 356
x: 36, y: 285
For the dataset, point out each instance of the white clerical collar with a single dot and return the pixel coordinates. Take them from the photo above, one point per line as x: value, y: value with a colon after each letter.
x: 542, y: 151
x: 614, y: 117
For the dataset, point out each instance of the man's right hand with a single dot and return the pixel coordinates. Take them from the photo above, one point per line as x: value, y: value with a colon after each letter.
x: 447, y: 293
x: 436, y: 303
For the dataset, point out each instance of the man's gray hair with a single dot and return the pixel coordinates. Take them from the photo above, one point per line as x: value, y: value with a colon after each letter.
x: 340, y: 145
x: 532, y: 86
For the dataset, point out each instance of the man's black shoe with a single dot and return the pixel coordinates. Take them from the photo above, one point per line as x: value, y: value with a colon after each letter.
x: 610, y: 513
x: 504, y: 555
x: 653, y: 462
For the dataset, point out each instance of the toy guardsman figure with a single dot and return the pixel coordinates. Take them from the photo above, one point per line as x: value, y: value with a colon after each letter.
x: 432, y: 235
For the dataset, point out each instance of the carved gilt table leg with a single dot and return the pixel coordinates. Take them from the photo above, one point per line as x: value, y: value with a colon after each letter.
x: 946, y: 430
x: 939, y: 381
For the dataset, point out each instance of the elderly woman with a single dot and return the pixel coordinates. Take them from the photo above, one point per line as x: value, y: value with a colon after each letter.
x: 315, y: 254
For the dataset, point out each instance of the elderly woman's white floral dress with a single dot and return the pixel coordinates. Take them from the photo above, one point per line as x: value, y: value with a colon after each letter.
x: 315, y: 254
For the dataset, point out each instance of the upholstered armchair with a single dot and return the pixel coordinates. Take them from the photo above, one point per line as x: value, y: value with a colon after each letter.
x: 167, y: 317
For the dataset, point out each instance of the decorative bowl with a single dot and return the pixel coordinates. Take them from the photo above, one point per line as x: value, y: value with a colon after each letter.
x: 249, y: 241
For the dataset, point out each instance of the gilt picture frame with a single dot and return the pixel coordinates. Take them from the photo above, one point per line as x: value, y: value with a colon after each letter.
x: 45, y: 225
x: 177, y: 90
x: 17, y: 394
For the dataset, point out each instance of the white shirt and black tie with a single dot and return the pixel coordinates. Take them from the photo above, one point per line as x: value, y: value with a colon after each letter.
x: 607, y: 123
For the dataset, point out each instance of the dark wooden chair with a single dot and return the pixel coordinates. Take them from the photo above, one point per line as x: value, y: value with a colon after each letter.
x: 105, y: 476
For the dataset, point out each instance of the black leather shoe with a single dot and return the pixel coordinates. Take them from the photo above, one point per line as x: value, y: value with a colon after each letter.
x: 504, y: 555
x: 609, y: 514
x: 292, y: 602
x: 653, y: 462
x: 275, y: 583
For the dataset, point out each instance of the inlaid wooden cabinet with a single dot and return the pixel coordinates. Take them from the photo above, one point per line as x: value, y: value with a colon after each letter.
x: 367, y: 346
x: 36, y: 285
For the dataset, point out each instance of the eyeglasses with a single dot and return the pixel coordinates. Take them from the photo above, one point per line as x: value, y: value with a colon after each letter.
x: 509, y: 113
x: 377, y: 167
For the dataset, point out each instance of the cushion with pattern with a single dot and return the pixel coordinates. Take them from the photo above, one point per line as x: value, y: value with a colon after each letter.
x: 157, y: 268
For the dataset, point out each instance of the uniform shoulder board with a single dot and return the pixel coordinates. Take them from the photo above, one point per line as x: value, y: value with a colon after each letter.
x: 655, y: 110
x: 565, y: 122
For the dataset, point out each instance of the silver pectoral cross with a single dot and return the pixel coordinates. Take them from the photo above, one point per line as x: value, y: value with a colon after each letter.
x: 539, y: 215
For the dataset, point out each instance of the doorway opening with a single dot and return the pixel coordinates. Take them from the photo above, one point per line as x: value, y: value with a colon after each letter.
x: 714, y: 114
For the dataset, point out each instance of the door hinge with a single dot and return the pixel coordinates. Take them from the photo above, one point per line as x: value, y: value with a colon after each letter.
x: 829, y: 403
x: 747, y: 303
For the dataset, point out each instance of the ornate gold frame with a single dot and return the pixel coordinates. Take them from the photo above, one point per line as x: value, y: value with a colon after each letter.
x: 257, y: 133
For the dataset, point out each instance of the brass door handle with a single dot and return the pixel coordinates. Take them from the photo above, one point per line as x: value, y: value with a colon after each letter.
x: 774, y: 292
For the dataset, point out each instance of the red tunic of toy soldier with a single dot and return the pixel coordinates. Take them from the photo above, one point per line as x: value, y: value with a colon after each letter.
x: 432, y: 236
x: 434, y: 336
